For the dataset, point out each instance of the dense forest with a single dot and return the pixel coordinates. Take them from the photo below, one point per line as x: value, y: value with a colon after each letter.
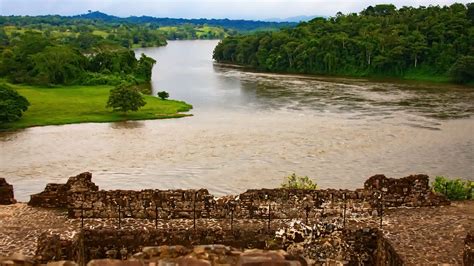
x: 426, y: 42
x: 41, y: 59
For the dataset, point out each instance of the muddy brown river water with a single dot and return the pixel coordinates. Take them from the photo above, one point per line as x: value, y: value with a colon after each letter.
x: 249, y: 130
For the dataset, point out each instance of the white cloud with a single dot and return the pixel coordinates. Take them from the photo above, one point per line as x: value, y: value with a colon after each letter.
x: 246, y: 9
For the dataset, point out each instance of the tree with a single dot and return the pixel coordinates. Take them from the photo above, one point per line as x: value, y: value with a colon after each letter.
x: 87, y: 40
x: 417, y: 46
x: 58, y: 65
x: 125, y: 98
x: 163, y: 95
x: 144, y: 67
x: 12, y: 104
x: 463, y: 70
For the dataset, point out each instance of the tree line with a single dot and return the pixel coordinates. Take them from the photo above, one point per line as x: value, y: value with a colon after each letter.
x: 382, y: 40
x: 119, y: 31
x: 238, y: 25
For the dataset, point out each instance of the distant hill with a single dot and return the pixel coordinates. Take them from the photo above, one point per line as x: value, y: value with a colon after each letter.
x: 296, y: 19
x: 239, y: 25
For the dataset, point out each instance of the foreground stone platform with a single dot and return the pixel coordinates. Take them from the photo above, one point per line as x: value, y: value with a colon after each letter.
x: 420, y: 236
x: 388, y: 222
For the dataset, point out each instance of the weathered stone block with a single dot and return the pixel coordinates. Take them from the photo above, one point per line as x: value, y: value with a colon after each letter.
x: 6, y: 193
x: 62, y: 263
x: 109, y: 262
x: 56, y: 195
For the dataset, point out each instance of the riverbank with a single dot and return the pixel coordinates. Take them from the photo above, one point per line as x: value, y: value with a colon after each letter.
x: 81, y: 104
x: 413, y: 76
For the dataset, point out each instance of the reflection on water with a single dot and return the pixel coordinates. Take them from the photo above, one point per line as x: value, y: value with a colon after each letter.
x: 127, y: 124
x: 352, y: 95
x: 251, y: 129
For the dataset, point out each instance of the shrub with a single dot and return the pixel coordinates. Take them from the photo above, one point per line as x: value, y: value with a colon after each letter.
x: 299, y: 182
x: 454, y: 189
x: 91, y: 78
x: 12, y: 104
x: 163, y: 95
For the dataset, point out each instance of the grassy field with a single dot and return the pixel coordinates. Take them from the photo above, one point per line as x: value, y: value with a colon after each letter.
x: 79, y: 104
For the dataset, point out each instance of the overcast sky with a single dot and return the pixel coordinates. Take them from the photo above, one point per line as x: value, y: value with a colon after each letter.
x: 244, y: 9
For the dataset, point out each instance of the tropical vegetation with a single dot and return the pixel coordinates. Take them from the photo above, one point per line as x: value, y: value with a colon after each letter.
x: 434, y: 43
x: 12, y: 104
x: 454, y: 189
x: 298, y: 182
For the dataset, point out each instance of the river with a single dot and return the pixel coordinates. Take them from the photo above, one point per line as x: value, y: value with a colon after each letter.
x: 249, y: 130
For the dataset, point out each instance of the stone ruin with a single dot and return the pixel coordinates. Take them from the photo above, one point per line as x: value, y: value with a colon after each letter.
x: 277, y: 219
x: 6, y: 193
x: 82, y: 198
x: 57, y: 195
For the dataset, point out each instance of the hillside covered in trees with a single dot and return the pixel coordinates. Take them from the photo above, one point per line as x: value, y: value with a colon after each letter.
x: 434, y: 43
x: 128, y: 35
x: 239, y: 25
x: 133, y: 32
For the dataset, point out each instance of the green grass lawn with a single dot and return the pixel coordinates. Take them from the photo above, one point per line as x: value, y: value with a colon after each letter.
x: 79, y: 104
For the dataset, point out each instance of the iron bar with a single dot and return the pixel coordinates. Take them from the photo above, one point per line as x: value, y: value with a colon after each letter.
x: 119, y: 216
x: 194, y: 210
x: 156, y: 216
x: 344, y: 211
x: 232, y: 219
x: 82, y: 215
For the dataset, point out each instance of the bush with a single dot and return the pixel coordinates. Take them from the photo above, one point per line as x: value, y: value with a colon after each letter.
x: 91, y: 78
x: 163, y: 95
x: 125, y: 98
x: 299, y: 182
x: 12, y: 104
x: 454, y: 189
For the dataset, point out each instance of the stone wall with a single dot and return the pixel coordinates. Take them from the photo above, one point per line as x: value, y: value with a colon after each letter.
x: 6, y: 193
x: 205, y: 255
x: 82, y: 198
x: 253, y: 204
x: 56, y: 195
x: 410, y: 191
x: 386, y: 254
x: 51, y: 247
x: 122, y: 243
x: 358, y: 246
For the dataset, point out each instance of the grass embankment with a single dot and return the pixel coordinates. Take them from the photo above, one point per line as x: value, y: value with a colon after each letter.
x: 79, y: 104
